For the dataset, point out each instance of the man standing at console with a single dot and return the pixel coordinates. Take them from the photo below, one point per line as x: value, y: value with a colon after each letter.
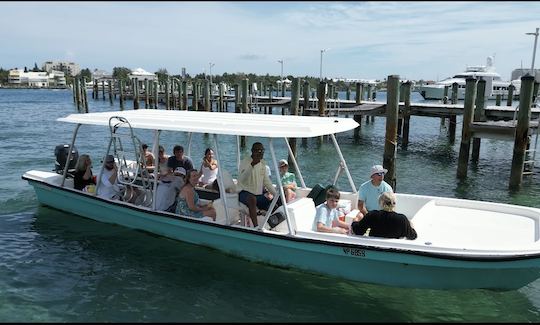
x: 252, y: 179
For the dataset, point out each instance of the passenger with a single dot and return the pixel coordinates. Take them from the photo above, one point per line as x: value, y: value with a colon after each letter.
x: 167, y: 189
x: 327, y: 215
x: 179, y: 160
x: 148, y: 157
x: 83, y: 173
x: 108, y: 186
x: 371, y: 190
x: 385, y: 223
x: 162, y: 157
x: 252, y: 178
x: 288, y: 180
x: 188, y: 199
x: 209, y: 169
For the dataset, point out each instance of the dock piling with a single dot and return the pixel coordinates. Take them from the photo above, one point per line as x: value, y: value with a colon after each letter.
x: 470, y: 97
x: 522, y: 129
x: 390, y: 144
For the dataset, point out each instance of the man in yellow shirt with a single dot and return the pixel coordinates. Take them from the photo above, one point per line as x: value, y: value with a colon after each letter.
x: 252, y: 177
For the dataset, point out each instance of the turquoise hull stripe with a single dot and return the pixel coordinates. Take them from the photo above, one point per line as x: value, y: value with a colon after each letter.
x: 359, y: 264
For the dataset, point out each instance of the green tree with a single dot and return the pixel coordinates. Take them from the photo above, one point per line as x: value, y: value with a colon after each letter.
x: 162, y: 74
x: 121, y: 73
x: 85, y: 73
x: 4, y: 76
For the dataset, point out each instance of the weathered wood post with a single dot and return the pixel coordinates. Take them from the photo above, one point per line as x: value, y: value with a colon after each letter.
x: 185, y: 94
x: 406, y: 114
x: 522, y: 130
x: 401, y: 100
x: 146, y: 93
x: 156, y: 94
x: 77, y: 93
x: 445, y: 101
x: 221, y: 107
x: 95, y: 89
x: 244, y: 106
x: 269, y: 108
x: 348, y: 92
x: 295, y: 105
x: 111, y: 91
x: 283, y: 85
x: 135, y: 93
x: 498, y: 100
x: 479, y: 116
x: 167, y: 94
x: 321, y: 96
x: 452, y: 119
x: 121, y: 90
x: 103, y: 89
x: 195, y: 96
x: 306, y: 105
x: 369, y: 92
x: 85, y: 95
x: 207, y: 106
x: 358, y: 118
x: 464, y: 149
x: 390, y: 144
x: 510, y: 95
x: 236, y: 88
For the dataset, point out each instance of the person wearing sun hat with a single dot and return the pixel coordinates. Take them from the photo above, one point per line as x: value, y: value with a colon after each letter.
x: 368, y: 195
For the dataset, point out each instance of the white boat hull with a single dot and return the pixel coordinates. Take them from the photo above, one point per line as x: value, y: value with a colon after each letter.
x: 392, y: 262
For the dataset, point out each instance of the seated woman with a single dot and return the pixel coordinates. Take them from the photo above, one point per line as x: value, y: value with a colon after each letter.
x: 209, y: 169
x: 188, y: 199
x: 385, y: 223
x: 288, y: 180
x: 83, y: 173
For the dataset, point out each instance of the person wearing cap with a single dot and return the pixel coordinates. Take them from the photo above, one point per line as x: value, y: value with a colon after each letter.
x: 252, y: 179
x: 371, y: 190
x: 108, y: 182
x: 386, y: 222
x: 288, y: 180
x: 168, y: 188
x: 179, y: 160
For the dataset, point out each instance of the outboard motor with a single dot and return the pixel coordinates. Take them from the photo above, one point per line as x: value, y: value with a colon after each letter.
x: 61, y: 153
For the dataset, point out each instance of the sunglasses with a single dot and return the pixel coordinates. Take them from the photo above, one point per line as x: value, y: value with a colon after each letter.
x: 257, y: 150
x: 379, y: 174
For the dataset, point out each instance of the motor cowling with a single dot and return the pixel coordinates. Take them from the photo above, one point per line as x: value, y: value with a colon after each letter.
x: 61, y: 153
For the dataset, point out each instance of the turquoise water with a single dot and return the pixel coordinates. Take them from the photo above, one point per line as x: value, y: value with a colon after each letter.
x: 59, y: 267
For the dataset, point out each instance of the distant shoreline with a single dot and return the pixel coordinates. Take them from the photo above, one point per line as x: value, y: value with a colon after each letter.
x: 20, y: 87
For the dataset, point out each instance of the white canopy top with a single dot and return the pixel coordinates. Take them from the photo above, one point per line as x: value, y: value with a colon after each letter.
x: 271, y: 126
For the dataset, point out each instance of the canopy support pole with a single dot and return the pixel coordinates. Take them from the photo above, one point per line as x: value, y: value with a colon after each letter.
x: 156, y: 167
x: 296, y: 168
x: 222, y: 189
x: 64, y: 174
x: 280, y: 187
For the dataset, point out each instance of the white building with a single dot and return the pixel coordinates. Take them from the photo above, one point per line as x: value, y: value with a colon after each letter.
x: 69, y: 68
x: 36, y: 79
x: 101, y: 74
x: 142, y: 74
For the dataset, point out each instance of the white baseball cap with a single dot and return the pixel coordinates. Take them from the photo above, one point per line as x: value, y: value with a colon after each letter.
x: 378, y: 169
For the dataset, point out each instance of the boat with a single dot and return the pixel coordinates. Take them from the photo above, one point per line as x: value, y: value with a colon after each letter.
x: 494, y: 84
x: 461, y: 244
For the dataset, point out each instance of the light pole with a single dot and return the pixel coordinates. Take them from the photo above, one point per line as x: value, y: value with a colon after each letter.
x: 534, y: 49
x: 320, y: 74
x: 281, y: 78
x: 211, y: 65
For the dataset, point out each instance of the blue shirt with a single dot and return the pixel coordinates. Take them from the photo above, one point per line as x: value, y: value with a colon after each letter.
x: 325, y: 215
x: 370, y: 194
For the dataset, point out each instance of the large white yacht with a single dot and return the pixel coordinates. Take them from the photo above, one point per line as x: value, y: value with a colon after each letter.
x: 494, y: 84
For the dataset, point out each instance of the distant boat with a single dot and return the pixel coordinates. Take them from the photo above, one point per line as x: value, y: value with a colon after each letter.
x: 494, y: 84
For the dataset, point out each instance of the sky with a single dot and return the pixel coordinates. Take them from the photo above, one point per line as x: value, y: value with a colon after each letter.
x: 367, y: 40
